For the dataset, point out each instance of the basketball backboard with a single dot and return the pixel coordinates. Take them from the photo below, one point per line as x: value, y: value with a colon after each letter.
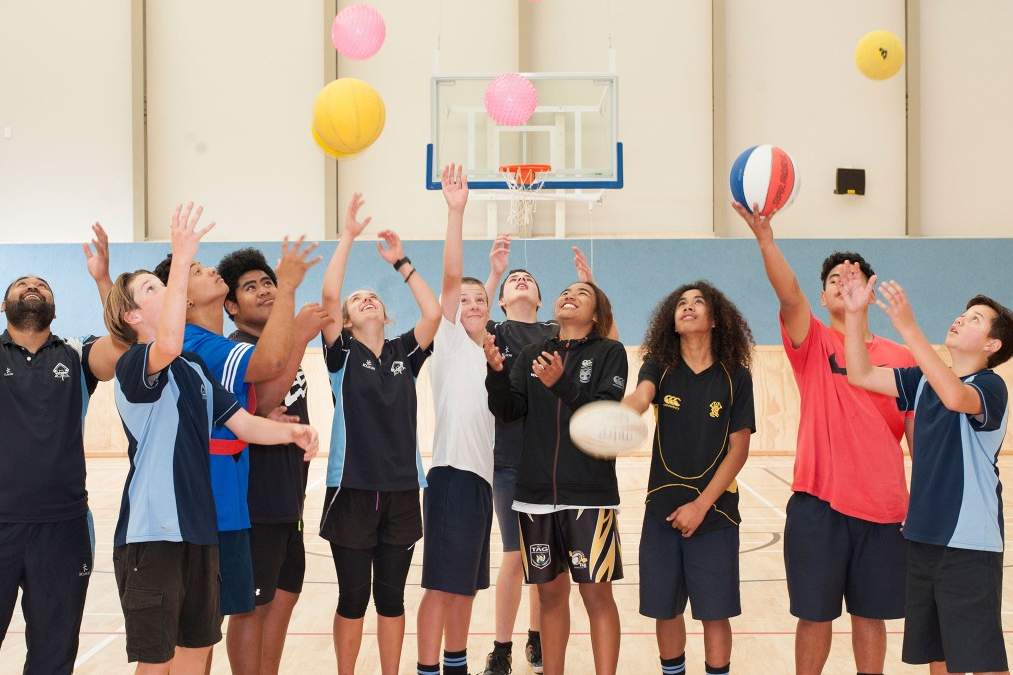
x: 573, y: 130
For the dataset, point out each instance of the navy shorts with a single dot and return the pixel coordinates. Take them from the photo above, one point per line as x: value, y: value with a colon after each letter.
x: 279, y: 559
x: 457, y: 508
x: 584, y: 541
x: 504, y: 484
x: 829, y: 556
x: 237, y: 572
x: 954, y: 612
x: 362, y: 519
x: 703, y: 568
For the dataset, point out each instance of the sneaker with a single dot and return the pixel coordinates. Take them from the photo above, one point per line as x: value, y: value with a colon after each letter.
x: 500, y: 664
x: 533, y: 651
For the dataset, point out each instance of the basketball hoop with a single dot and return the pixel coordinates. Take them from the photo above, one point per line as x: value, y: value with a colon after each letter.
x: 524, y: 181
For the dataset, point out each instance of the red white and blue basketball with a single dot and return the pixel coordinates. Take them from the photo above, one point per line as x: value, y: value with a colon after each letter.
x: 764, y: 175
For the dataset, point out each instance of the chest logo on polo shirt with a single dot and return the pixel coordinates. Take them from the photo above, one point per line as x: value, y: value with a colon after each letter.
x: 397, y: 367
x: 539, y: 556
x: 203, y: 392
x: 673, y: 402
x: 369, y: 364
x: 85, y: 572
x: 8, y: 372
x: 61, y: 371
x: 585, y: 370
x: 715, y: 409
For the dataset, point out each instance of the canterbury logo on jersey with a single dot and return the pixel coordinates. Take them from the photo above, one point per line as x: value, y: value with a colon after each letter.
x: 673, y: 402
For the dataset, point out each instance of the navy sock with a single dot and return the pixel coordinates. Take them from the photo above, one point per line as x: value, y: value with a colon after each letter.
x: 455, y: 663
x: 534, y: 637
x: 676, y: 666
x: 502, y: 647
x: 718, y: 670
x: 425, y: 669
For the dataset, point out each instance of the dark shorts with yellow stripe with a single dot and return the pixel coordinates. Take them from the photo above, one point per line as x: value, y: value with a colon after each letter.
x: 583, y: 541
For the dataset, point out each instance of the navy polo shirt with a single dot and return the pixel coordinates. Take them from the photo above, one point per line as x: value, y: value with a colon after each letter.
x: 43, y: 397
x: 373, y: 434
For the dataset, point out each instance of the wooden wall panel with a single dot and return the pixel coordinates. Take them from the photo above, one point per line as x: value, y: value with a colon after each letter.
x: 774, y: 392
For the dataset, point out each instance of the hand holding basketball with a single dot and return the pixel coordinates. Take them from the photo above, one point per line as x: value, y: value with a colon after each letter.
x: 607, y: 429
x: 548, y: 368
x: 760, y: 225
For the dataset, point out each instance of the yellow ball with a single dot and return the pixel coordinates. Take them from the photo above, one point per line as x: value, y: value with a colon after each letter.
x: 327, y: 149
x: 879, y: 54
x: 348, y: 116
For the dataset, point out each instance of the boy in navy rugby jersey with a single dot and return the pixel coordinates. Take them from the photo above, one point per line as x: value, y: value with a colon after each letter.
x: 166, y: 541
x: 954, y: 526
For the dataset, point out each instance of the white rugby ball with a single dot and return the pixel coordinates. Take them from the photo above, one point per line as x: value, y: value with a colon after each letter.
x: 606, y: 429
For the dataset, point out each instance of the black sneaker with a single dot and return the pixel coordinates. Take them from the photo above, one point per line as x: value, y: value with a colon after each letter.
x: 533, y: 652
x: 501, y: 664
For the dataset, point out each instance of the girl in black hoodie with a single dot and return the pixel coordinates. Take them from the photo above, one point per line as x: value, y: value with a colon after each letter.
x: 567, y: 502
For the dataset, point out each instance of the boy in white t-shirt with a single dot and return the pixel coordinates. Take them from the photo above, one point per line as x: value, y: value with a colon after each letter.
x: 457, y: 504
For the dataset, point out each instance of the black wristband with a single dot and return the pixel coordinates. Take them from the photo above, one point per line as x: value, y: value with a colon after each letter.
x: 402, y: 261
x: 409, y: 275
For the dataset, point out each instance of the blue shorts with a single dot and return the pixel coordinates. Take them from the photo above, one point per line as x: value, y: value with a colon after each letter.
x: 829, y: 556
x: 703, y: 568
x: 504, y: 483
x: 236, y: 567
x: 457, y: 520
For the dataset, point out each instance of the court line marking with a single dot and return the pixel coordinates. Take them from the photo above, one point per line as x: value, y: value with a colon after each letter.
x: 84, y: 658
x: 760, y: 497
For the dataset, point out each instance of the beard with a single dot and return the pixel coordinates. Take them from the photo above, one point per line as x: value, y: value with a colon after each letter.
x: 30, y: 315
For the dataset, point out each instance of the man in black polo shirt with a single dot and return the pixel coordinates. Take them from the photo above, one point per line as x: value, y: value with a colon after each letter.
x: 46, y: 545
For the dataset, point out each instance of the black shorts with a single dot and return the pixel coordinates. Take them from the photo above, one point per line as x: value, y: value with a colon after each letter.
x: 279, y: 559
x: 703, y: 568
x: 504, y: 484
x: 169, y: 595
x: 236, y: 564
x: 584, y: 541
x: 829, y: 556
x: 954, y: 613
x: 364, y: 518
x: 458, y: 524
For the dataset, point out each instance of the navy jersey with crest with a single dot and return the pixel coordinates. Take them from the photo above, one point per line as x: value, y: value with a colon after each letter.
x: 374, y: 445
x: 695, y: 415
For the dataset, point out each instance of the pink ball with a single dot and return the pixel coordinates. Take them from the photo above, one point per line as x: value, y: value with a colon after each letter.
x: 358, y: 32
x: 510, y: 99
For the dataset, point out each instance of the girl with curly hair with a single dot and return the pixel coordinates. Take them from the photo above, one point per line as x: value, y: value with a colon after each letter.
x: 697, y: 353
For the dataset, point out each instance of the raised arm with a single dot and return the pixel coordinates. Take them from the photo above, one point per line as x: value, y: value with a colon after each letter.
x: 106, y: 351
x: 186, y: 238
x: 954, y: 394
x: 455, y: 191
x: 310, y: 320
x: 499, y: 259
x: 274, y: 347
x: 429, y: 305
x: 861, y: 373
x: 795, y: 310
x: 98, y: 261
x: 584, y: 274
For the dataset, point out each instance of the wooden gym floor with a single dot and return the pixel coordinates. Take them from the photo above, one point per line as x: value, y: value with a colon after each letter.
x: 763, y: 633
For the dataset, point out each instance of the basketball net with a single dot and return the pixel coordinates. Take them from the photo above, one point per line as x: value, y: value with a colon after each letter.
x: 523, y: 202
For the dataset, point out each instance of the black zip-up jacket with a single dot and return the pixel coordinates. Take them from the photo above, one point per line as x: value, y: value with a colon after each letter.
x: 552, y: 470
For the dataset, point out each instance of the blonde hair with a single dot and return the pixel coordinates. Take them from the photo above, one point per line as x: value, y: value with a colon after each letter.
x: 120, y: 301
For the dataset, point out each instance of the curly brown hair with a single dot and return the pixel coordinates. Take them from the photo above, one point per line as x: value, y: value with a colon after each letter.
x: 731, y: 340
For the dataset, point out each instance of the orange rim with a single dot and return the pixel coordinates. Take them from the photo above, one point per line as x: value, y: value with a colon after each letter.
x: 525, y: 173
